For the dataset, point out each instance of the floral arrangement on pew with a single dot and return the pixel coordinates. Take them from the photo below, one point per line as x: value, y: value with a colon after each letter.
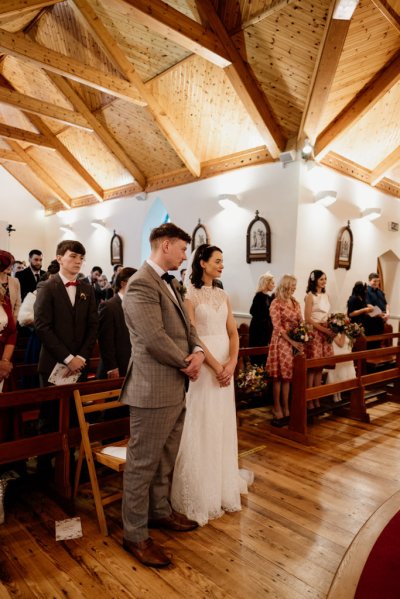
x: 303, y: 333
x: 252, y: 379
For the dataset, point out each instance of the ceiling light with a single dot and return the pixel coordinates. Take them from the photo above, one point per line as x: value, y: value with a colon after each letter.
x: 307, y: 150
x: 371, y: 213
x: 325, y: 198
x: 344, y: 9
x: 98, y: 223
x: 66, y: 228
x: 228, y: 200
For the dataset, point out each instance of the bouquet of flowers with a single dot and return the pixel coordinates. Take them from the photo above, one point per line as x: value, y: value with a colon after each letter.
x: 302, y: 333
x: 338, y: 322
x: 252, y: 379
x: 354, y: 330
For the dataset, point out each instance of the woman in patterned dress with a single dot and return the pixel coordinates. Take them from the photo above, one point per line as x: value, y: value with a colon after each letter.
x: 285, y: 314
x: 316, y: 312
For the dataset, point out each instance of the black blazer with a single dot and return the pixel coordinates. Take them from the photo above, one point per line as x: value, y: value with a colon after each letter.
x: 114, y: 341
x: 62, y: 328
x: 27, y: 280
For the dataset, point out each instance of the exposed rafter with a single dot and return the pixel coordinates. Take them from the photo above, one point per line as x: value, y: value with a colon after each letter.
x: 245, y: 85
x: 389, y: 13
x: 324, y: 73
x: 274, y: 7
x: 20, y: 46
x: 9, y: 8
x: 180, y: 29
x: 355, y: 110
x: 384, y: 167
x: 41, y: 174
x: 114, y: 52
x: 31, y: 105
x: 10, y: 156
x: 109, y: 141
x: 36, y: 139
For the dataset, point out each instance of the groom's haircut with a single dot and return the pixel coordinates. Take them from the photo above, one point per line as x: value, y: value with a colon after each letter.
x: 168, y: 230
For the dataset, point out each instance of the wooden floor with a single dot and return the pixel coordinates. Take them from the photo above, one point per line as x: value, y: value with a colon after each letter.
x: 305, y: 508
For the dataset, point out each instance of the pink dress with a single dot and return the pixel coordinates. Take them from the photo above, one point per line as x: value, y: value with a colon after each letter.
x: 319, y: 347
x: 285, y: 317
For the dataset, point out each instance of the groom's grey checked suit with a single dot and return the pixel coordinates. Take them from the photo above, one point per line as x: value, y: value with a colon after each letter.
x: 161, y: 337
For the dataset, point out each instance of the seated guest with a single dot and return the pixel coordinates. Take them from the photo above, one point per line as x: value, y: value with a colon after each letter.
x: 358, y: 309
x: 114, y: 341
x: 260, y: 329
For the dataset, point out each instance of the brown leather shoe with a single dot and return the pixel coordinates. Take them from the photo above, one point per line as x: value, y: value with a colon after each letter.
x: 147, y: 552
x: 175, y: 521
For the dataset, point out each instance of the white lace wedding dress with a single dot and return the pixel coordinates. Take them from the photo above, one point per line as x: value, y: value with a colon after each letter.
x: 206, y: 478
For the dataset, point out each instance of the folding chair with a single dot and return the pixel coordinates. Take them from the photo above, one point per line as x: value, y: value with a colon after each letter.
x: 94, y: 452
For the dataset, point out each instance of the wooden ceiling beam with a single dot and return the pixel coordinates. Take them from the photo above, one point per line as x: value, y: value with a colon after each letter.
x: 371, y: 93
x: 9, y: 8
x: 389, y: 13
x: 245, y: 85
x: 97, y: 191
x: 109, y: 141
x: 331, y: 47
x: 180, y: 29
x: 384, y: 167
x: 20, y: 46
x: 274, y: 7
x: 114, y: 52
x: 42, y: 174
x: 10, y: 156
x: 36, y: 139
x: 34, y: 106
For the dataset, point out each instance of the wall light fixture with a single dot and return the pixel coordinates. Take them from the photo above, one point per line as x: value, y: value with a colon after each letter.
x: 371, y: 213
x: 97, y: 222
x: 325, y: 197
x: 228, y: 200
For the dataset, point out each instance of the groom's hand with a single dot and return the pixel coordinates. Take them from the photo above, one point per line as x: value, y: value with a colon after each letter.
x: 194, y: 361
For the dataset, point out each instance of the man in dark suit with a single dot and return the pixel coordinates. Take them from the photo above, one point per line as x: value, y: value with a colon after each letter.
x: 66, y: 314
x: 93, y: 280
x: 114, y: 342
x: 30, y: 276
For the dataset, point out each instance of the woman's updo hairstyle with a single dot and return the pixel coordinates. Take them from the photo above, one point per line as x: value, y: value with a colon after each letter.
x: 312, y: 281
x: 203, y: 252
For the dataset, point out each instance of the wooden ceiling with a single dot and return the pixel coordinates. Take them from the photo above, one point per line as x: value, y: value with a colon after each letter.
x: 106, y: 98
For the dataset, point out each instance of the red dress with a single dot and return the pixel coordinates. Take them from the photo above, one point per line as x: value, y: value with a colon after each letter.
x: 285, y: 317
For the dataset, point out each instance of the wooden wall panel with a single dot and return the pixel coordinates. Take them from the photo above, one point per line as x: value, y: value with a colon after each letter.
x: 205, y: 109
x: 95, y: 158
x: 282, y: 51
x: 370, y: 43
x: 376, y: 126
x: 140, y: 136
x: 17, y: 23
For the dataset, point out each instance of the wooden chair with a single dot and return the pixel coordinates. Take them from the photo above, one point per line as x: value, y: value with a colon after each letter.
x: 93, y: 452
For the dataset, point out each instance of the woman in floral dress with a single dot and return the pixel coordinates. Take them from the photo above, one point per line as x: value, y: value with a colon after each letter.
x: 285, y: 315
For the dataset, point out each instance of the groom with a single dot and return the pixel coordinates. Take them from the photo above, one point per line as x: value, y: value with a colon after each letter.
x: 166, y: 353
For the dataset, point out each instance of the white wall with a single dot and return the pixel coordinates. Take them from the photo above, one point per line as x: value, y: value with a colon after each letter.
x: 318, y: 229
x: 20, y: 209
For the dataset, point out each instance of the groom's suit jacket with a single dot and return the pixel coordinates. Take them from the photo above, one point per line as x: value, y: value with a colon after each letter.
x: 64, y: 329
x: 161, y: 337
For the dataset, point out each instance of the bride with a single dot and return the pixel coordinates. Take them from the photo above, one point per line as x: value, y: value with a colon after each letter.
x: 206, y: 478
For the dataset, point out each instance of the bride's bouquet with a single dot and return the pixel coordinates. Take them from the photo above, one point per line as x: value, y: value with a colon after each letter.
x: 252, y: 379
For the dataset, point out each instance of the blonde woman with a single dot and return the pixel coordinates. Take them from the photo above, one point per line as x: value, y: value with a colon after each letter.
x: 260, y: 329
x: 285, y: 314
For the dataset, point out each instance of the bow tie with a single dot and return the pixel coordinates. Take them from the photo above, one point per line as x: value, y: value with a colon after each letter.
x: 167, y: 277
x: 72, y: 284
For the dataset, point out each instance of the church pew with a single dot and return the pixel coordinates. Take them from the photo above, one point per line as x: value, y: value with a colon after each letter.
x: 67, y: 435
x: 301, y: 394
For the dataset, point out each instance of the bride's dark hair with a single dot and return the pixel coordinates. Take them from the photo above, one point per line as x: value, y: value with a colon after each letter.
x: 203, y: 252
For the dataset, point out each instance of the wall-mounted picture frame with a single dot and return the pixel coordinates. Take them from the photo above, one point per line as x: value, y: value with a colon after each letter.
x: 116, y: 249
x: 344, y: 247
x: 258, y: 240
x: 199, y: 236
